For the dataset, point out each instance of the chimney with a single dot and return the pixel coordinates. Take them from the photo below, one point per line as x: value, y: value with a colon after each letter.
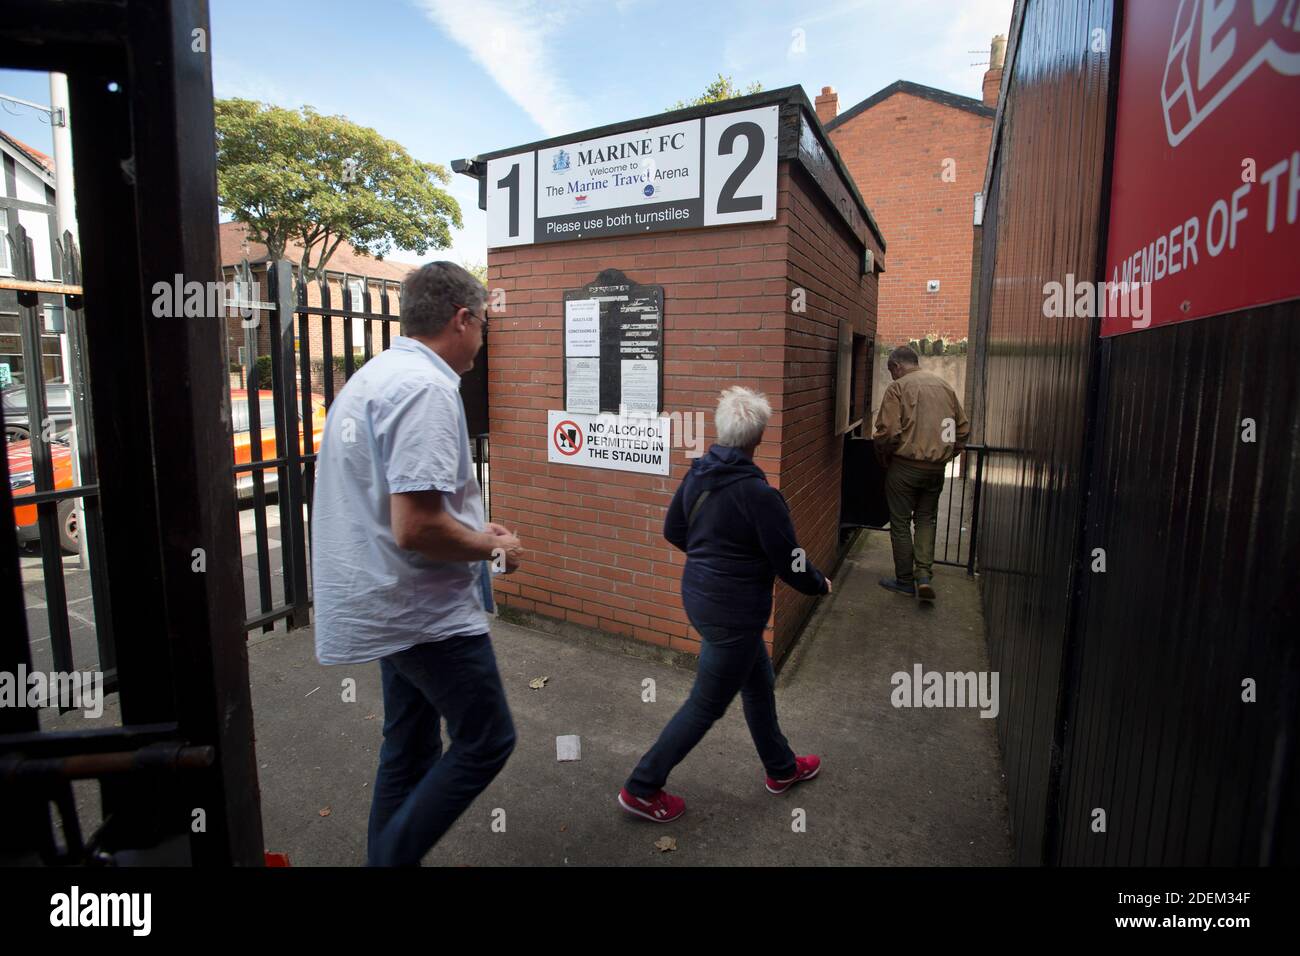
x: 993, y: 78
x: 828, y: 104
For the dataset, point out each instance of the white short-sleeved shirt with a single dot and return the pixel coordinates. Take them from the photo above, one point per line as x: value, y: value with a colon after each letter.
x: 398, y: 425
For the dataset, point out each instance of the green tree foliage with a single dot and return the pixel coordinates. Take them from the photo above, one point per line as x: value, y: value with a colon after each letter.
x: 477, y: 269
x: 720, y: 89
x: 324, y: 180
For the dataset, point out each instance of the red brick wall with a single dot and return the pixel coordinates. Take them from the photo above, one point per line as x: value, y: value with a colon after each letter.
x: 895, y: 152
x: 826, y: 262
x: 596, y: 553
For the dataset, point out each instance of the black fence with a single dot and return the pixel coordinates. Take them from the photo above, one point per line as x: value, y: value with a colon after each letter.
x: 56, y: 496
x: 863, y: 505
x: 957, y: 528
x: 178, y: 733
x: 1139, y: 553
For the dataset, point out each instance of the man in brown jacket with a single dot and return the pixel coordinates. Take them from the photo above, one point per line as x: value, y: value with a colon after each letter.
x: 920, y: 427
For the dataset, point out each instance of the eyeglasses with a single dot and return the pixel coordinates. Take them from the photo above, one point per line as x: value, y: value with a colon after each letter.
x: 481, y: 318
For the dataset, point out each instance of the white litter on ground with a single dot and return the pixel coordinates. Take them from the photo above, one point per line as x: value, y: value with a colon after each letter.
x: 568, y: 747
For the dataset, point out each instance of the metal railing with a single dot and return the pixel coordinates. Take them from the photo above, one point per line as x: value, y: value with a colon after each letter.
x: 957, y: 540
x: 66, y: 497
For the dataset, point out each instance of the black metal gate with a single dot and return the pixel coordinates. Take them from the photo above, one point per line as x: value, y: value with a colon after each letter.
x: 59, y: 490
x: 145, y: 188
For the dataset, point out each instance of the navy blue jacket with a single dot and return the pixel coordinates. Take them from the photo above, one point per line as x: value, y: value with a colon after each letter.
x: 740, y: 540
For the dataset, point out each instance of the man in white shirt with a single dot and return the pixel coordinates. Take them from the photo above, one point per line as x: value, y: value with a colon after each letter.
x: 399, y: 543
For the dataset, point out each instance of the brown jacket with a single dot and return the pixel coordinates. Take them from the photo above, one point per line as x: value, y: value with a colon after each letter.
x: 919, y: 410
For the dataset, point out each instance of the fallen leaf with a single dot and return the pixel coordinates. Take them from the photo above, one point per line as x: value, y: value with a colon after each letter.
x: 369, y: 717
x: 666, y: 844
x: 325, y: 811
x: 563, y: 828
x: 537, y: 683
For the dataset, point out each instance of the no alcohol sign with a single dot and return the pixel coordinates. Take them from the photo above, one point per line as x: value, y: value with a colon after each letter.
x: 621, y: 442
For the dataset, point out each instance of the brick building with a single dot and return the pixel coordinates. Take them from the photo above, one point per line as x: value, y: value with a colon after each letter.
x: 27, y: 199
x: 597, y: 557
x: 918, y: 155
x: 346, y: 270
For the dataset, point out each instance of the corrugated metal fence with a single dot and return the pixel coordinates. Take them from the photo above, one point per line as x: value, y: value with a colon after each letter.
x: 1123, y: 689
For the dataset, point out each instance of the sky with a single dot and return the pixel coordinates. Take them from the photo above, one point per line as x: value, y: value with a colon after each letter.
x: 450, y: 78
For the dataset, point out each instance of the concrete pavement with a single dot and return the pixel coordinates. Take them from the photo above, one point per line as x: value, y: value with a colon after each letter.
x: 899, y: 786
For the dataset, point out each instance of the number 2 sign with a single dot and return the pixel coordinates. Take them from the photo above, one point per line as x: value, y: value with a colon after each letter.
x: 714, y: 170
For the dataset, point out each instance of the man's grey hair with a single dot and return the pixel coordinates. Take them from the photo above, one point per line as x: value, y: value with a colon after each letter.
x: 432, y: 294
x: 741, y: 417
x: 904, y: 355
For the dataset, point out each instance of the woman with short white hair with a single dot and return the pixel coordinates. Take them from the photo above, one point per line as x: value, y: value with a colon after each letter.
x: 738, y: 537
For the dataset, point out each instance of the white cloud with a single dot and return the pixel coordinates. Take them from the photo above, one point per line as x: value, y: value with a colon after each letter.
x: 231, y: 79
x: 508, y: 38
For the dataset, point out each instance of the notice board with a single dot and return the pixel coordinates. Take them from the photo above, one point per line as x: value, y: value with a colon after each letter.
x: 613, y: 346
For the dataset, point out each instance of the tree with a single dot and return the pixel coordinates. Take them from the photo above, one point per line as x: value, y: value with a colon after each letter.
x: 324, y: 180
x: 720, y: 89
x: 477, y: 269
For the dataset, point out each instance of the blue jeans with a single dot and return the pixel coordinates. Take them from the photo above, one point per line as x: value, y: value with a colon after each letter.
x: 731, y: 661
x: 419, y: 790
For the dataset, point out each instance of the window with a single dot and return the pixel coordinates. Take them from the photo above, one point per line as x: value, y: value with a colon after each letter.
x: 239, y: 414
x: 358, y: 289
x: 11, y: 351
x: 6, y: 267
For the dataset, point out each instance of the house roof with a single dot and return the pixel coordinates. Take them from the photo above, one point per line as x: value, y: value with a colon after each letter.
x: 236, y: 246
x: 942, y: 97
x: 43, y: 162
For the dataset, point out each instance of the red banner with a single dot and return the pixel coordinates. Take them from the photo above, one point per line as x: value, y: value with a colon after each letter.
x: 1206, y: 178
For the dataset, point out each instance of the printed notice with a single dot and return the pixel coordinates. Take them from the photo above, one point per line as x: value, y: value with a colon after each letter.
x: 621, y: 442
x: 582, y: 381
x: 582, y: 327
x: 640, y: 386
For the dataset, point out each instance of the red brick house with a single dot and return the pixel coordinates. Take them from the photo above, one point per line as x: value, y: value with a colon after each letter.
x: 918, y: 157
x: 346, y: 269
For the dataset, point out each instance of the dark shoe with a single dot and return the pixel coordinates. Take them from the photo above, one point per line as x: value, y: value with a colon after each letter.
x: 805, y: 769
x: 893, y: 584
x: 924, y: 590
x: 661, y: 808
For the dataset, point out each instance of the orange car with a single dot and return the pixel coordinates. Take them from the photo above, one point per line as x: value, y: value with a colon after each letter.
x: 22, y: 481
x: 266, y: 418
x: 22, y: 472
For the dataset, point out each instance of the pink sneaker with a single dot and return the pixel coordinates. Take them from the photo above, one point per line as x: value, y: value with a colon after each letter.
x: 663, y: 807
x: 805, y: 769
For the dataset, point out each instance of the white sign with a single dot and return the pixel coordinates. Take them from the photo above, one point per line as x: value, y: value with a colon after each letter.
x: 621, y: 442
x: 6, y: 377
x: 582, y: 382
x: 630, y: 169
x: 740, y: 177
x: 582, y: 327
x: 510, y: 219
x: 640, y: 386
x: 643, y: 180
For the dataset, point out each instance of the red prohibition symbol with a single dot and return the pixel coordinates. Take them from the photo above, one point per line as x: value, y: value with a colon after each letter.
x: 567, y: 438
